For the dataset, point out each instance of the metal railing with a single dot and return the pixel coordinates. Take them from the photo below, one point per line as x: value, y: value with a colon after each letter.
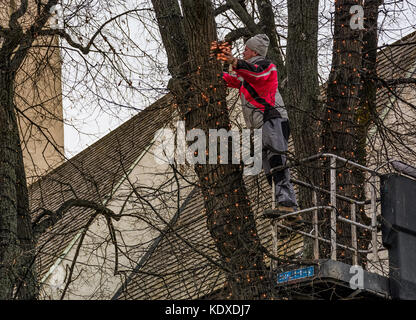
x: 332, y: 209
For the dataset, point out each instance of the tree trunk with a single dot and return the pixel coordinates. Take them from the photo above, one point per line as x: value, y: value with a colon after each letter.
x: 27, y: 287
x: 304, y: 109
x: 268, y: 25
x: 342, y: 130
x: 368, y: 94
x: 200, y: 95
x: 17, y: 245
x: 8, y: 192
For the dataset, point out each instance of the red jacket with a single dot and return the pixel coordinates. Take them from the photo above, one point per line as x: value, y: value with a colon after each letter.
x: 257, y: 82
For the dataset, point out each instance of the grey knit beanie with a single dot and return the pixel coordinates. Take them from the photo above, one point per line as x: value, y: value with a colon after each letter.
x: 259, y: 43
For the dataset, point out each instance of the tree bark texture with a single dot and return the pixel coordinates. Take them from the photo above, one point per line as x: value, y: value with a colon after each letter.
x: 200, y: 95
x: 343, y: 134
x: 8, y: 192
x: 305, y: 111
x: 17, y: 245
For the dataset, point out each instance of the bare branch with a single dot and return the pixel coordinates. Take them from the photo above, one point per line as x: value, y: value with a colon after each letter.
x: 13, y: 24
x: 236, y: 34
x: 27, y: 39
x: 74, y: 260
x: 85, y: 49
x: 41, y: 224
x: 399, y: 81
x: 222, y: 9
x: 244, y: 16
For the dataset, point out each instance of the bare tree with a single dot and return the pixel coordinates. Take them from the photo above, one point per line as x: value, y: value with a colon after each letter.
x: 196, y: 77
x: 28, y: 34
x: 97, y: 53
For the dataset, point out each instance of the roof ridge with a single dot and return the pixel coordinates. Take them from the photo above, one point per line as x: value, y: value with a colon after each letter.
x: 113, y: 132
x: 401, y: 40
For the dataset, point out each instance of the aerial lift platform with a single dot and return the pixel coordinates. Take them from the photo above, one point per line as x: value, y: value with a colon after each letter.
x: 330, y: 279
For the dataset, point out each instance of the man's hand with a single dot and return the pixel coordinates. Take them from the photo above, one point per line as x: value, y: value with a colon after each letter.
x: 230, y: 59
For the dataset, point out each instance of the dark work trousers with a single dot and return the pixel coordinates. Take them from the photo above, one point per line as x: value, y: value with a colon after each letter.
x: 275, y: 137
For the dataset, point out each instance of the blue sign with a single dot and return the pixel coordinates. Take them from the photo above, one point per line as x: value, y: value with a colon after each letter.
x: 295, y: 274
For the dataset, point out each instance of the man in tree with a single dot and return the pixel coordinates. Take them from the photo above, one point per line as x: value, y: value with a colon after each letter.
x: 263, y: 107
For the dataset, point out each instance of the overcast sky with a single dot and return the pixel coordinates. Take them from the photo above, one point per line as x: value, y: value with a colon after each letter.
x: 89, y: 118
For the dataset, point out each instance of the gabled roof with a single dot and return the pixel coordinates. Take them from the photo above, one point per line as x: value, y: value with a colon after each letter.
x: 178, y: 269
x: 171, y: 269
x: 392, y: 136
x: 92, y: 175
x: 174, y: 270
x: 396, y: 60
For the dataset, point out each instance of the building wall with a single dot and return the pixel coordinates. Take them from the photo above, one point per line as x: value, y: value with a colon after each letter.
x: 38, y: 96
x: 384, y: 146
x: 400, y: 142
x: 146, y: 211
